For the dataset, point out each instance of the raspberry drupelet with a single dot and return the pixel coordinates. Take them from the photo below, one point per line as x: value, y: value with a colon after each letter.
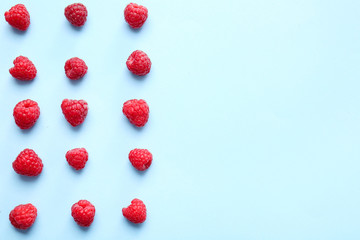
x: 28, y: 163
x: 18, y: 17
x: 23, y: 216
x: 137, y: 111
x: 135, y: 15
x: 26, y: 113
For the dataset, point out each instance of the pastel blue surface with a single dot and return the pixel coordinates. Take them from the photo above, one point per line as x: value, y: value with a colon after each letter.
x: 254, y: 122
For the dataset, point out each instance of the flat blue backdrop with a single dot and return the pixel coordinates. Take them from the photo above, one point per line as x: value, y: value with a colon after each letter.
x: 254, y: 123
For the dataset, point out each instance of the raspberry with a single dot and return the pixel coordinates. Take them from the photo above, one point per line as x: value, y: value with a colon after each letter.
x: 18, y: 17
x: 139, y: 63
x: 83, y: 213
x: 26, y: 113
x: 75, y: 68
x: 135, y: 212
x: 135, y: 15
x: 28, y: 163
x: 77, y: 158
x: 23, y: 69
x: 140, y: 158
x: 75, y: 111
x: 23, y: 216
x: 76, y: 14
x: 137, y: 111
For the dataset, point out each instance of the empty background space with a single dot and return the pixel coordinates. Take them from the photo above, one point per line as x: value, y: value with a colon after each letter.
x: 254, y: 120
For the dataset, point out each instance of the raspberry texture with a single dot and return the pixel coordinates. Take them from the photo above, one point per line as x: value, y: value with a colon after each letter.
x: 23, y: 216
x: 75, y: 111
x: 83, y: 213
x: 76, y: 14
x: 135, y: 15
x: 26, y: 113
x: 28, y: 163
x: 23, y: 69
x: 18, y: 17
x: 75, y: 68
x: 135, y: 212
x: 140, y: 158
x: 139, y: 63
x: 77, y: 158
x: 137, y: 111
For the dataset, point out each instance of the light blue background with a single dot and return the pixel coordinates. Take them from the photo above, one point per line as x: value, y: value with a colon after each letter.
x: 254, y: 123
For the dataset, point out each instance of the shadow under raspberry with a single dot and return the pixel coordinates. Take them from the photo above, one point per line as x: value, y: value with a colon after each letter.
x: 134, y: 225
x: 29, y: 130
x: 138, y: 129
x: 84, y: 229
x: 76, y: 82
x: 140, y: 173
x: 76, y: 128
x: 18, y: 32
x: 22, y: 83
x: 74, y: 170
x: 138, y: 78
x: 29, y: 179
x: 134, y: 30
x: 78, y: 29
x: 22, y: 231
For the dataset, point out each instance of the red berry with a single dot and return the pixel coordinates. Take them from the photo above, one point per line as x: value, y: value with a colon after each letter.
x: 135, y: 15
x: 28, y: 163
x: 139, y: 63
x: 76, y: 14
x: 26, y: 113
x: 83, y: 213
x: 77, y: 158
x: 18, y: 17
x: 23, y: 69
x: 140, y: 158
x: 75, y: 111
x: 75, y: 68
x: 135, y: 212
x: 23, y: 216
x: 137, y: 111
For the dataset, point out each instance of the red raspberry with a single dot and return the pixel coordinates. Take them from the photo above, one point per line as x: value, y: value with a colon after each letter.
x: 26, y: 113
x: 23, y: 69
x: 23, y: 216
x: 140, y: 158
x: 137, y: 111
x: 83, y: 213
x: 18, y: 17
x: 75, y: 68
x: 28, y: 163
x: 75, y: 111
x: 139, y: 63
x: 76, y: 14
x: 135, y: 15
x: 77, y: 158
x: 135, y: 212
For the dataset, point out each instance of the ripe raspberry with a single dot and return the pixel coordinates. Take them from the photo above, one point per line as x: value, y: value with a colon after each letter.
x: 75, y: 111
x: 76, y: 14
x: 23, y: 69
x: 137, y: 111
x: 23, y: 216
x: 77, y: 158
x: 75, y: 68
x: 139, y: 63
x: 28, y: 163
x: 140, y: 158
x: 135, y: 212
x: 18, y: 17
x: 26, y: 113
x: 83, y: 213
x: 135, y: 15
